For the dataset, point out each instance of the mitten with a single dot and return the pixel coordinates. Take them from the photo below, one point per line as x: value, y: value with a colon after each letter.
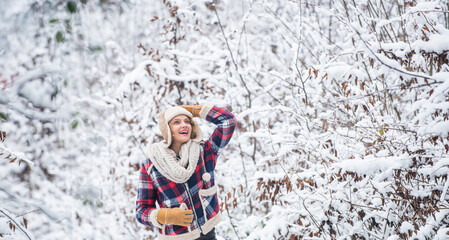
x: 194, y: 109
x: 175, y: 216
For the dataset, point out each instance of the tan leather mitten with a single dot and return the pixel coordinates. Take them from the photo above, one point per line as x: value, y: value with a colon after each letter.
x: 175, y: 216
x: 194, y: 109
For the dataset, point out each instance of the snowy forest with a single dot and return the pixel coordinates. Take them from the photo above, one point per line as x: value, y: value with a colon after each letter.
x: 342, y: 109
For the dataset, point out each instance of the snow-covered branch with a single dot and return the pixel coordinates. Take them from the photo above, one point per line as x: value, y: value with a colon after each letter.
x: 8, y: 155
x: 9, y: 216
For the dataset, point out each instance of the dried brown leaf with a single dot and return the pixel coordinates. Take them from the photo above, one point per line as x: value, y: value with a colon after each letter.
x: 2, y: 136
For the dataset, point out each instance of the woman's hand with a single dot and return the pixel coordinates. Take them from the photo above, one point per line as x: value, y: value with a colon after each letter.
x: 175, y: 216
x: 193, y: 109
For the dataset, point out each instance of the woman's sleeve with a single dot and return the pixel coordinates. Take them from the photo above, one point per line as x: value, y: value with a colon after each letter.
x: 226, y: 124
x: 146, y: 212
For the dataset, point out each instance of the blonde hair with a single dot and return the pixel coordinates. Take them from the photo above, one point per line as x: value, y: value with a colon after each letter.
x: 194, y: 126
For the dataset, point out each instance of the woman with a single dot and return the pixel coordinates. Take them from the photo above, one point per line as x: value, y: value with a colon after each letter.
x: 178, y: 174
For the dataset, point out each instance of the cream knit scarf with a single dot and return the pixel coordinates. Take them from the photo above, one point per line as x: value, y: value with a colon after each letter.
x: 164, y: 159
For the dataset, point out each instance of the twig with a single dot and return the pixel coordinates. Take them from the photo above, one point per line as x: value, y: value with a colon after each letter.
x: 15, y: 223
x: 23, y: 214
x: 9, y: 155
x: 232, y: 57
x: 269, y: 93
x: 386, y: 64
x: 130, y: 127
x: 446, y: 186
x: 301, y: 198
x: 393, y: 88
x: 283, y: 23
x: 233, y: 227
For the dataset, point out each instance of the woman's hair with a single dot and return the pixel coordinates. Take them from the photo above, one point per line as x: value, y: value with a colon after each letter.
x: 194, y: 126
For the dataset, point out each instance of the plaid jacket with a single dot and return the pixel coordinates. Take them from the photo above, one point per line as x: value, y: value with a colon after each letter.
x: 196, y: 193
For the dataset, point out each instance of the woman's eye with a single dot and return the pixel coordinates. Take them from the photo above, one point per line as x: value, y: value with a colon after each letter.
x: 176, y: 122
x: 187, y: 122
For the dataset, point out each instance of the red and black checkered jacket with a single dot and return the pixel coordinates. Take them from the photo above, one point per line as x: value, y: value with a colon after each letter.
x: 197, y: 194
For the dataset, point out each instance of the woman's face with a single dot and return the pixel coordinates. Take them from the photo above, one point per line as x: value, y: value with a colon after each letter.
x: 181, y: 129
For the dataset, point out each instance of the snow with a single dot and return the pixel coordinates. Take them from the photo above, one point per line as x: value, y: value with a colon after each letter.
x: 442, y: 88
x: 4, y: 226
x: 274, y: 226
x: 436, y: 43
x: 405, y: 227
x: 372, y: 164
x: 442, y: 234
x: 441, y: 128
x: 13, y: 154
x: 445, y: 191
x: 439, y: 168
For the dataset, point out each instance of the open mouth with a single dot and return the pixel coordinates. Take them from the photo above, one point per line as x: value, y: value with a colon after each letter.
x: 184, y: 133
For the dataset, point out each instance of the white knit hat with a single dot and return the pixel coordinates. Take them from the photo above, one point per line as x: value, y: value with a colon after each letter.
x: 168, y: 115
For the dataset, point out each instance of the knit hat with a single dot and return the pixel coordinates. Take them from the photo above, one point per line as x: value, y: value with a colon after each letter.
x: 168, y: 115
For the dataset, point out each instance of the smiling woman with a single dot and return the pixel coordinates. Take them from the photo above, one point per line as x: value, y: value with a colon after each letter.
x: 178, y: 174
x: 181, y: 130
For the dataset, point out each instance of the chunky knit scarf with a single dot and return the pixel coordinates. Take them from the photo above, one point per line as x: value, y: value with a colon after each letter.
x: 164, y: 159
